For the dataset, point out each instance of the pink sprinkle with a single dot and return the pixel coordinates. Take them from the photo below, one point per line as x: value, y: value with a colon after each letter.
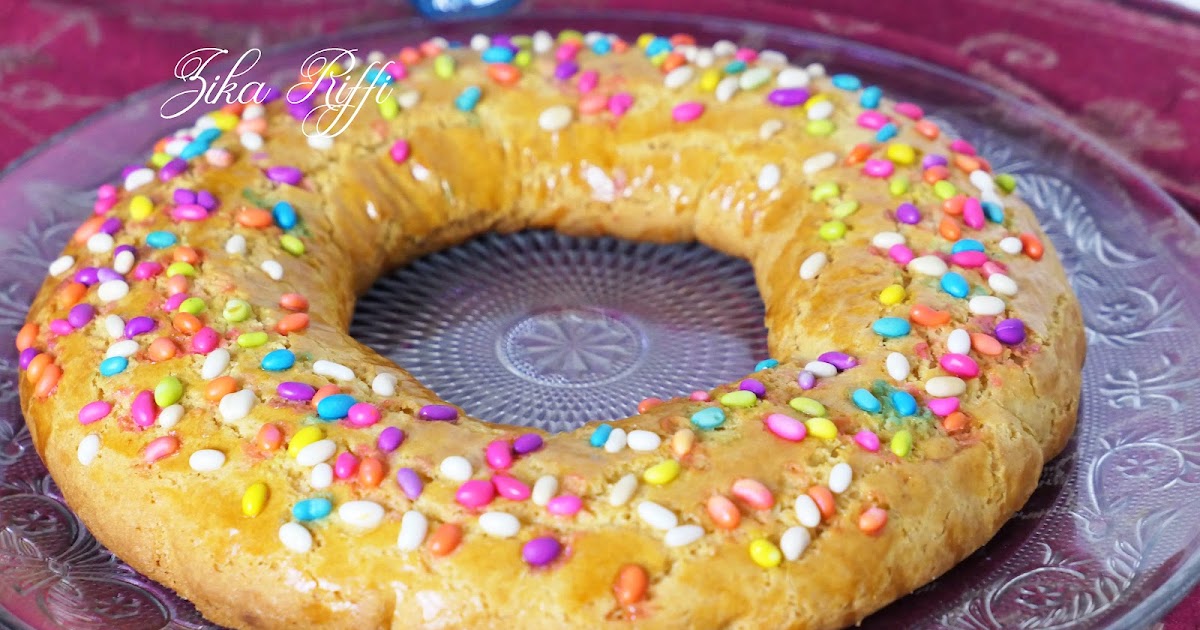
x: 867, y: 440
x: 564, y: 505
x: 511, y: 488
x: 400, y: 151
x: 962, y: 146
x: 620, y: 103
x: 205, y: 340
x: 699, y: 396
x: 475, y: 493
x: 218, y: 157
x: 959, y: 365
x: 990, y: 267
x: 943, y: 406
x: 397, y: 70
x: 746, y: 54
x: 160, y: 448
x: 588, y: 81
x: 786, y: 427
x: 103, y: 205
x: 173, y: 302
x: 878, y: 168
x: 107, y: 191
x: 687, y: 112
x: 61, y: 327
x: 973, y: 213
x: 969, y: 259
x: 346, y: 466
x: 901, y: 253
x: 872, y: 120
x: 566, y: 51
x: 753, y: 493
x: 189, y: 212
x: 143, y: 408
x: 911, y: 110
x: 499, y: 455
x: 362, y: 414
x: 146, y: 270
x: 94, y: 411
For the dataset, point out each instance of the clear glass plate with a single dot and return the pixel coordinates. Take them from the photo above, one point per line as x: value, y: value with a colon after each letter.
x: 1110, y: 539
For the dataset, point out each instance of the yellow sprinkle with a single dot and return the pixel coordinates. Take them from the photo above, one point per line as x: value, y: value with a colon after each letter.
x: 644, y: 40
x: 682, y: 441
x: 254, y: 499
x: 223, y: 120
x: 658, y: 59
x: 823, y: 428
x: 814, y: 99
x: 662, y: 473
x: 901, y: 154
x: 709, y: 79
x: 303, y: 438
x: 892, y: 294
x: 140, y: 207
x: 765, y: 554
x: 902, y: 443
x: 807, y: 406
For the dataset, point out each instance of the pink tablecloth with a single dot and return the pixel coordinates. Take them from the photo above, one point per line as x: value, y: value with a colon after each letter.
x: 1130, y: 71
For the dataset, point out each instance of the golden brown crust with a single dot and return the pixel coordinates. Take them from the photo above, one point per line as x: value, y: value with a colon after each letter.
x: 494, y: 169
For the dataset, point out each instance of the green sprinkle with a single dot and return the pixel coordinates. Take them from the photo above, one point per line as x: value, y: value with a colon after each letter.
x: 180, y: 268
x: 832, y: 230
x: 389, y: 108
x: 168, y: 391
x: 569, y: 35
x: 944, y: 189
x: 443, y: 66
x: 898, y: 185
x: 193, y: 305
x: 1006, y: 182
x: 523, y: 59
x: 902, y: 443
x: 845, y: 209
x: 292, y: 245
x: 236, y: 311
x: 807, y: 406
x: 252, y: 339
x: 159, y: 160
x: 822, y: 127
x: 740, y: 398
x: 825, y: 190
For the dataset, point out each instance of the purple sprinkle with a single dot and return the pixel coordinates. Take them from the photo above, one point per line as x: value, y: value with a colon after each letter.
x: 410, y: 483
x: 390, y: 439
x: 173, y: 302
x: 81, y: 314
x: 61, y: 327
x: 27, y: 356
x: 183, y: 195
x: 139, y: 325
x: 300, y: 110
x: 1011, y: 331
x: 566, y: 70
x: 504, y: 41
x: 172, y: 169
x: 268, y: 94
x: 128, y: 170
x: 788, y: 97
x: 87, y: 276
x: 527, y: 443
x: 111, y: 225
x: 206, y: 200
x: 299, y: 392
x: 324, y: 85
x: 930, y: 161
x: 541, y: 551
x: 284, y: 174
x: 806, y: 380
x: 104, y: 274
x: 124, y: 248
x: 908, y: 213
x: 839, y: 360
x: 753, y: 385
x: 438, y: 412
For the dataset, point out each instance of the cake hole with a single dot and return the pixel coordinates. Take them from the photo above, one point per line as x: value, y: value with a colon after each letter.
x: 543, y: 330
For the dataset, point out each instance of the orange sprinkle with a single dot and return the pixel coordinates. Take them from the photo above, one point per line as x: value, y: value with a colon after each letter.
x: 177, y: 284
x: 161, y: 145
x: 161, y: 349
x: 967, y: 163
x: 323, y: 391
x: 370, y: 472
x: 983, y: 163
x: 954, y: 205
x: 37, y: 366
x: 293, y: 302
x: 1033, y: 246
x: 255, y: 125
x: 409, y: 55
x: 430, y: 49
x: 955, y: 422
x: 682, y: 39
x: 186, y: 323
x: 928, y: 316
x: 630, y: 586
x: 255, y: 218
x: 672, y: 61
x: 593, y: 103
x: 269, y: 437
x: 48, y: 381
x: 927, y: 128
x: 89, y: 227
x: 72, y: 293
x: 503, y: 73
x: 445, y: 539
x: 619, y: 45
x: 292, y: 322
x: 27, y: 336
x: 872, y: 520
x: 949, y: 229
x: 220, y: 387
x: 183, y: 253
x: 234, y: 108
x: 648, y: 404
x: 984, y: 343
x: 723, y: 512
x: 823, y: 497
x: 935, y: 174
x: 858, y: 154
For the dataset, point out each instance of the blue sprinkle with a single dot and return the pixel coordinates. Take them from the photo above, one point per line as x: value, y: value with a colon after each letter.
x: 602, y: 46
x: 658, y: 45
x: 736, y: 66
x: 847, y: 82
x: 887, y: 132
x: 193, y: 149
x: 709, y: 418
x: 278, y: 360
x: 966, y: 245
x: 160, y: 240
x: 993, y: 211
x: 208, y: 135
x: 904, y: 403
x: 956, y: 285
x: 311, y: 509
x: 335, y: 406
x: 600, y: 435
x: 285, y: 215
x: 765, y: 364
x: 891, y: 327
x: 870, y: 97
x: 866, y: 401
x: 468, y: 99
x: 113, y: 366
x: 498, y: 54
x: 376, y: 76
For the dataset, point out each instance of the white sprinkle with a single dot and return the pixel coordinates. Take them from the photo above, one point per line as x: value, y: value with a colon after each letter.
x: 555, y: 118
x: 138, y: 178
x: 603, y: 188
x: 384, y: 384
x: 704, y: 58
x: 169, y: 417
x: 456, y: 468
x: 726, y: 89
x: 772, y: 57
x: 768, y: 177
x: 821, y: 368
x: 126, y: 348
x: 897, y: 366
x: 542, y: 42
x: 1002, y: 284
x: 820, y: 110
x: 982, y: 180
x: 985, y: 305
x: 678, y: 77
x: 419, y: 172
x: 622, y: 491
x: 236, y: 245
x: 928, y: 266
x: 642, y: 440
x: 792, y: 77
x: 114, y: 326
x: 375, y: 57
x: 321, y: 476
x: 252, y: 141
x: 945, y: 386
x: 724, y: 48
x: 991, y: 196
x: 320, y: 142
x: 273, y: 269
x: 1011, y: 245
x: 214, y: 364
x: 753, y: 78
x: 480, y: 42
x: 408, y: 99
x: 683, y: 535
x: 839, y: 477
x: 206, y: 460
x: 807, y: 511
x: 815, y: 70
x: 688, y: 51
x: 812, y: 266
x: 793, y: 542
x: 253, y: 111
x: 887, y: 240
x: 89, y: 448
x: 61, y: 265
x: 317, y: 452
x: 413, y: 527
x: 499, y: 524
x: 616, y: 441
x: 100, y: 243
x: 123, y: 262
x: 361, y: 515
x: 440, y: 42
x: 544, y: 489
x: 335, y: 371
x: 112, y: 290
x: 959, y: 341
x: 657, y: 516
x: 235, y: 406
x: 295, y: 537
x: 769, y: 128
x: 819, y: 162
